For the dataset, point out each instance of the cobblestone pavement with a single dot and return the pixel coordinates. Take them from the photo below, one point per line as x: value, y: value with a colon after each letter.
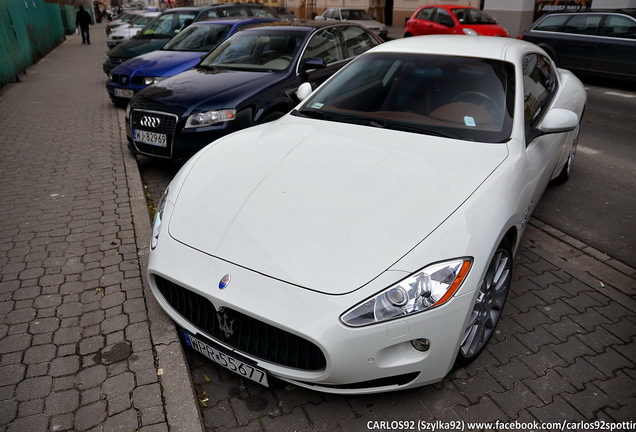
x: 82, y: 346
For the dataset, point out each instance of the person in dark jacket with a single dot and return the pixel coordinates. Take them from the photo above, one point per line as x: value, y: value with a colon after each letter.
x: 83, y: 19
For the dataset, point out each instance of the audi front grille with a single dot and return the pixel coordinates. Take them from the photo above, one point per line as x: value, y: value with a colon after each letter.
x: 158, y: 123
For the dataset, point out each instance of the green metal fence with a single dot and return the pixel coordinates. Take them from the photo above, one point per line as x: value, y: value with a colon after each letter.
x: 29, y: 29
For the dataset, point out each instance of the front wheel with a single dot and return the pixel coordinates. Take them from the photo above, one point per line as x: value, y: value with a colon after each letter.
x: 489, y: 305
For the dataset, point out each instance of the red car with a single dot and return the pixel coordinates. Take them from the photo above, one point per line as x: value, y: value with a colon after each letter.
x: 452, y: 19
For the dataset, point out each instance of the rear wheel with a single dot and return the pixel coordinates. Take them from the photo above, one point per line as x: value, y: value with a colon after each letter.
x: 489, y: 305
x: 566, y: 172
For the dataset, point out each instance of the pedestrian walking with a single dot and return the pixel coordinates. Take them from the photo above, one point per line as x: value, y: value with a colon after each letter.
x: 83, y: 19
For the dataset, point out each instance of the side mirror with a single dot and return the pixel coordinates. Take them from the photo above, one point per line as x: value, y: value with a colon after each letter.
x: 313, y: 63
x: 559, y: 120
x: 304, y: 90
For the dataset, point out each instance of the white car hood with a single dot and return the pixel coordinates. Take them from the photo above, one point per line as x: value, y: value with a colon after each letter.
x: 325, y: 206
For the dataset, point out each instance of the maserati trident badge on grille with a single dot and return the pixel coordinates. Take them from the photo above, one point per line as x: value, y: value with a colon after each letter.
x: 149, y: 121
x: 225, y: 281
x: 226, y: 325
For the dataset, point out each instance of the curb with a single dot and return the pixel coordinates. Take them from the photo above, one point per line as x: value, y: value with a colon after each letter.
x: 180, y: 401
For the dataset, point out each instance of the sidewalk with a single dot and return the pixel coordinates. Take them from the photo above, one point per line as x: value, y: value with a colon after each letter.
x: 83, y: 345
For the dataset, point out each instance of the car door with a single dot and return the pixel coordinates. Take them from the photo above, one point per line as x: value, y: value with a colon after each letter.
x: 423, y: 23
x: 543, y: 151
x: 614, y: 50
x: 575, y: 48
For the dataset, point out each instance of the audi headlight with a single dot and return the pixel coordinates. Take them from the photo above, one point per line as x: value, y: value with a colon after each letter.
x: 151, y: 80
x: 428, y: 288
x: 470, y: 32
x: 156, y: 225
x: 208, y: 118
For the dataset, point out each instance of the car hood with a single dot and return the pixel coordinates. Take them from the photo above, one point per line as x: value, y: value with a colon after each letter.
x: 322, y: 205
x: 138, y: 45
x: 204, y: 89
x: 159, y: 63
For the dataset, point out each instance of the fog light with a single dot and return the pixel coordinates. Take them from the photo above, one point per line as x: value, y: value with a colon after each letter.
x: 421, y: 344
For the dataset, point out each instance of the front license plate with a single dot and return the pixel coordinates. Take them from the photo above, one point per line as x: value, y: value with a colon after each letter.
x: 124, y: 93
x: 227, y: 360
x: 151, y: 138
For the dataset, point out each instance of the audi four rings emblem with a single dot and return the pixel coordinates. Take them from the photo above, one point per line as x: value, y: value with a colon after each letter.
x: 148, y: 121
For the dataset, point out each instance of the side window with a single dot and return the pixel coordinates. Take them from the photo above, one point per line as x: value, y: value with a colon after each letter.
x: 552, y: 23
x: 539, y: 83
x: 443, y: 17
x: 426, y: 14
x: 324, y: 44
x: 330, y: 14
x: 619, y: 26
x: 587, y: 24
x: 357, y: 40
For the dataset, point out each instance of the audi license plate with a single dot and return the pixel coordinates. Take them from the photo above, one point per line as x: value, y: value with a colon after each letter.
x: 124, y: 93
x: 151, y: 138
x: 229, y: 361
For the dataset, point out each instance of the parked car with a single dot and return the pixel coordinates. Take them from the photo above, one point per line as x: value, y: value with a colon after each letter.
x: 364, y: 242
x: 121, y: 33
x: 358, y: 16
x: 594, y: 42
x: 452, y: 19
x: 158, y: 32
x: 123, y: 18
x: 249, y: 79
x: 183, y: 52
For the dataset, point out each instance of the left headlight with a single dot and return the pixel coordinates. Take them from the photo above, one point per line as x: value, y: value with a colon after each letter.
x: 428, y: 288
x: 156, y: 225
x: 208, y: 118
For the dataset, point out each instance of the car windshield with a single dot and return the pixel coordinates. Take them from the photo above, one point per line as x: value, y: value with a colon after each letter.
x: 255, y: 51
x: 198, y: 38
x: 457, y: 97
x: 168, y: 24
x: 355, y: 14
x: 472, y: 16
x: 141, y: 20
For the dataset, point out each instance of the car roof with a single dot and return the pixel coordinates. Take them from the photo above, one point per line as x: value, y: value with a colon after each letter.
x: 309, y: 25
x: 234, y: 20
x: 629, y: 11
x: 496, y: 48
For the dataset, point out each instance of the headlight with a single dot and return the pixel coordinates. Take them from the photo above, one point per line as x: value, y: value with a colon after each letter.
x: 208, y: 118
x: 110, y: 77
x: 470, y: 32
x: 156, y: 225
x: 430, y: 287
x: 151, y: 80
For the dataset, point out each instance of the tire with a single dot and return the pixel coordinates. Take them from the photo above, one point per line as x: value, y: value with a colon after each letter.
x: 488, y: 306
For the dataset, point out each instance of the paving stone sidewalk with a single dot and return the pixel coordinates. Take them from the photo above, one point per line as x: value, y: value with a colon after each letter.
x: 83, y: 346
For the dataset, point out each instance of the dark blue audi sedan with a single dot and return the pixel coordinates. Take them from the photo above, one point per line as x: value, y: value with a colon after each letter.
x: 250, y: 78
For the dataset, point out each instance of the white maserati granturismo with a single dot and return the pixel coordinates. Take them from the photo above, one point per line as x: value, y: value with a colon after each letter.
x: 364, y: 242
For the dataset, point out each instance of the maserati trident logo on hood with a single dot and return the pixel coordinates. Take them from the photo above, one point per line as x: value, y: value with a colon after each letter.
x: 224, y: 282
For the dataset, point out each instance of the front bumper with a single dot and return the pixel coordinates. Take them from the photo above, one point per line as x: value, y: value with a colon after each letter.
x: 179, y: 143
x: 369, y: 359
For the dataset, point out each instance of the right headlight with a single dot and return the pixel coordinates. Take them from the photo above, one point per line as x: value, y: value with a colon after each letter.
x: 430, y: 287
x: 208, y: 118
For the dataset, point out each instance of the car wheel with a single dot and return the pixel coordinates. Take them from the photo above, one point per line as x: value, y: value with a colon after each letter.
x: 489, y: 305
x: 566, y: 172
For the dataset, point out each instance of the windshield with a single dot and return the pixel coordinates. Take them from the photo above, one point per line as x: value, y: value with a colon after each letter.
x: 141, y: 20
x: 169, y: 24
x: 198, y: 38
x: 256, y: 51
x: 457, y: 97
x: 472, y: 16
